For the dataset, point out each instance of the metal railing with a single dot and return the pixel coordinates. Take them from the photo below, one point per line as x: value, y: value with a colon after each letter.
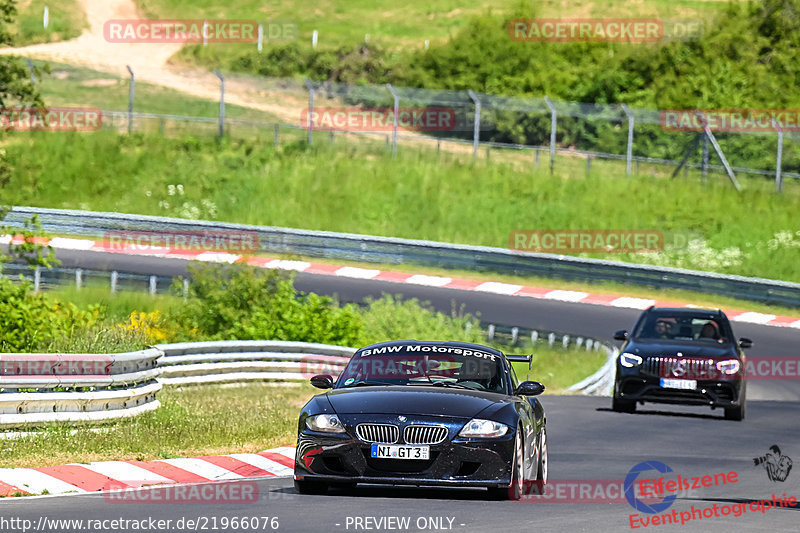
x: 372, y: 249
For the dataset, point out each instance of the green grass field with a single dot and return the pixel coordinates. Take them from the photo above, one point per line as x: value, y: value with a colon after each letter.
x: 361, y: 189
x: 66, y: 20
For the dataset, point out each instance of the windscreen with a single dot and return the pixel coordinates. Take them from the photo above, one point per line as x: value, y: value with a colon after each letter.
x: 705, y: 327
x: 425, y: 365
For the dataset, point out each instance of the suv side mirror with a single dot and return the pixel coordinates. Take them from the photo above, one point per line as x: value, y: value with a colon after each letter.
x: 529, y: 388
x: 322, y: 381
x: 744, y: 342
x: 621, y: 335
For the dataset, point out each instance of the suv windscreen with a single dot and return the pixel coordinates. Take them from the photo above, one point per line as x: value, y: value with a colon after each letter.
x: 704, y: 327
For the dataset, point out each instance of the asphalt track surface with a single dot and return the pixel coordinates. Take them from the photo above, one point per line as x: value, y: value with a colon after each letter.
x: 588, y: 444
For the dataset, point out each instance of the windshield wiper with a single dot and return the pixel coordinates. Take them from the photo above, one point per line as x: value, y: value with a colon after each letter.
x: 364, y: 383
x: 451, y: 384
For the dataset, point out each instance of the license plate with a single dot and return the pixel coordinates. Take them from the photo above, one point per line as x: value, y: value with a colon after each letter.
x: 393, y: 451
x: 686, y: 384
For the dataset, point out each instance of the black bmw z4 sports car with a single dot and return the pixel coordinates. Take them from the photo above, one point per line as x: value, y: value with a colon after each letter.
x: 424, y: 413
x: 681, y: 356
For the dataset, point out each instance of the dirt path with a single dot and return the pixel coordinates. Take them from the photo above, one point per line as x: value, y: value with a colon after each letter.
x: 149, y: 61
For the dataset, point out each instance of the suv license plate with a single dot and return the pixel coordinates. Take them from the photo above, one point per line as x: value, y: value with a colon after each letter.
x: 392, y: 451
x: 685, y: 384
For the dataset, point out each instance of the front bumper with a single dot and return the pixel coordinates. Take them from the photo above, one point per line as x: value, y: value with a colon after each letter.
x: 710, y: 393
x: 457, y: 462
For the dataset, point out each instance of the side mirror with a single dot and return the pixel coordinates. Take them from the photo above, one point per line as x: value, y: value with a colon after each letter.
x: 744, y: 342
x: 621, y: 335
x: 322, y: 381
x: 529, y: 388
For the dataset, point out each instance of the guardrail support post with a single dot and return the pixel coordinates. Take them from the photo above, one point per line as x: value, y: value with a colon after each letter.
x: 778, y: 157
x: 553, y: 123
x: 476, y: 128
x: 629, y: 151
x: 221, y: 103
x: 396, y: 112
x: 131, y: 90
x: 114, y: 280
x: 310, y: 87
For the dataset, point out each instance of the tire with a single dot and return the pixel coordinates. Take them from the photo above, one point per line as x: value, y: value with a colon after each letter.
x: 542, y: 466
x: 515, y: 488
x: 735, y: 413
x: 623, y: 406
x: 310, y: 487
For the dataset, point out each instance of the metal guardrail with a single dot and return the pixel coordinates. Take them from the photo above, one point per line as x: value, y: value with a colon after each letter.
x: 373, y: 249
x: 41, y: 388
x: 232, y: 361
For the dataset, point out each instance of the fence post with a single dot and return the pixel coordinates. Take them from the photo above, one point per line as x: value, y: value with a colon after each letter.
x: 205, y: 33
x: 396, y: 112
x: 46, y: 17
x: 553, y: 122
x: 629, y: 152
x: 778, y: 157
x: 78, y: 278
x: 153, y: 285
x: 114, y: 281
x: 709, y: 136
x: 705, y: 158
x: 477, y: 125
x: 310, y: 112
x: 260, y: 37
x: 221, y: 103
x: 131, y: 90
x: 31, y: 70
x: 37, y: 278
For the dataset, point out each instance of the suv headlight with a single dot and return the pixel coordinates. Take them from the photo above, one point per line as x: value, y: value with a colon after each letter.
x: 325, y: 423
x: 483, y: 428
x: 731, y: 366
x: 630, y: 360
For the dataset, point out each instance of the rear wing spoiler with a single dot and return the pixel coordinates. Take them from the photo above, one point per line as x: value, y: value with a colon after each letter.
x: 520, y: 359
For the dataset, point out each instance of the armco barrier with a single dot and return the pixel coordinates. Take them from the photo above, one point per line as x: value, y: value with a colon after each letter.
x: 367, y: 248
x: 40, y: 388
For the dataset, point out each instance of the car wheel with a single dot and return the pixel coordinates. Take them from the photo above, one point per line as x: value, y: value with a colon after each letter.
x: 310, y: 487
x: 515, y: 488
x: 735, y: 413
x: 541, y: 469
x: 623, y: 406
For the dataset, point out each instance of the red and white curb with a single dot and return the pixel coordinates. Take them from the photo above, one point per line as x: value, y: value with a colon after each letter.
x: 116, y: 475
x: 398, y: 277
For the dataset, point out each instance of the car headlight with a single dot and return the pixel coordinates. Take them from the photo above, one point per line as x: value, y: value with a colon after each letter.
x: 325, y: 423
x: 483, y: 428
x: 731, y: 366
x: 630, y: 360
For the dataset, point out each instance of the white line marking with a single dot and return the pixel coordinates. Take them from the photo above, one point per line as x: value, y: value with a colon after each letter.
x: 35, y: 482
x: 285, y: 264
x: 754, y: 318
x: 202, y: 468
x: 566, y: 296
x: 217, y: 257
x: 430, y: 281
x: 263, y: 463
x: 633, y: 303
x: 498, y: 288
x: 355, y: 272
x: 127, y: 473
x: 71, y: 244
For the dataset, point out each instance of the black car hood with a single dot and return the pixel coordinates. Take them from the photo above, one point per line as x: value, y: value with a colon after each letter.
x: 687, y: 349
x: 413, y: 400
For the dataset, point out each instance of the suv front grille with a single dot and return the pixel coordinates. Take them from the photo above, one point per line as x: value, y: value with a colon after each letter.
x: 378, y: 433
x: 680, y: 367
x: 424, y: 434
